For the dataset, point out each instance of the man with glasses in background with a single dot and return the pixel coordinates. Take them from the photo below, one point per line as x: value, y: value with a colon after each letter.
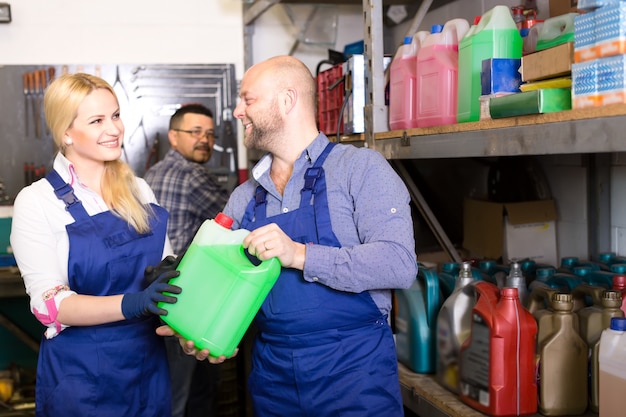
x: 183, y: 185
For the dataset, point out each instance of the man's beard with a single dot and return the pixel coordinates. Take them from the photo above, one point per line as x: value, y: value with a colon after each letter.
x: 257, y: 139
x: 263, y: 132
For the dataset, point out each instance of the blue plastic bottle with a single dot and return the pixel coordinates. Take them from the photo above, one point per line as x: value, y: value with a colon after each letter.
x: 447, y: 278
x: 416, y: 321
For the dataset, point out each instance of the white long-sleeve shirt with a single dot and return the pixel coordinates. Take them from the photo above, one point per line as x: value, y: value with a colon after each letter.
x: 39, y: 239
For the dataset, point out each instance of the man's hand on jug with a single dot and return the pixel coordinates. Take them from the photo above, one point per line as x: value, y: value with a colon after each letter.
x: 270, y: 241
x: 190, y: 349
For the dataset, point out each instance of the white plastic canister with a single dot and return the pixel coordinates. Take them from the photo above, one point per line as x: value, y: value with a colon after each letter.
x: 612, y: 360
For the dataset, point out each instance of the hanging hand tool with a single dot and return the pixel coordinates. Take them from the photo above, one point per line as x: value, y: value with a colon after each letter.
x: 35, y: 92
x: 39, y: 173
x: 43, y: 77
x: 26, y: 176
x: 51, y: 72
x: 47, y: 75
x: 29, y: 173
x: 26, y: 96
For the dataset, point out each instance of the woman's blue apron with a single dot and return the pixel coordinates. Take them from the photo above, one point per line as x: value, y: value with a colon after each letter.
x: 319, y: 352
x: 115, y: 369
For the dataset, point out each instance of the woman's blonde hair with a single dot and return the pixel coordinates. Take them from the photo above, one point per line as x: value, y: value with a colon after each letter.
x: 119, y: 185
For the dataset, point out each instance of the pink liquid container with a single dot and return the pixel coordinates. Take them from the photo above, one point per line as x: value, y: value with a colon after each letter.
x: 403, y: 84
x: 437, y: 74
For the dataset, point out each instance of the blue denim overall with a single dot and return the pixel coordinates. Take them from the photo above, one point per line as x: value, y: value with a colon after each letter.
x: 115, y: 369
x: 319, y: 352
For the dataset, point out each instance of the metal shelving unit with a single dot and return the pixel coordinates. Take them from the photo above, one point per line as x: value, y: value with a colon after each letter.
x: 586, y: 131
x: 591, y: 131
x: 595, y: 133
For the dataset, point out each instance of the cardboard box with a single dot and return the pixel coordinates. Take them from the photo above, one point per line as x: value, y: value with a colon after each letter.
x: 585, y: 85
x: 510, y: 230
x: 500, y: 75
x: 549, y: 63
x: 610, y: 30
x: 559, y: 7
x: 585, y: 37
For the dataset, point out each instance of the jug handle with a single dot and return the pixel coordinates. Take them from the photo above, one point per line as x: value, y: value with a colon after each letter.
x: 594, y: 291
x: 267, y: 264
x: 539, y: 298
x: 486, y: 289
x: 565, y: 23
x: 431, y: 284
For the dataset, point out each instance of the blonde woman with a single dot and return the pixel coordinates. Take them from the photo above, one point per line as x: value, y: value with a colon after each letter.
x: 82, y: 238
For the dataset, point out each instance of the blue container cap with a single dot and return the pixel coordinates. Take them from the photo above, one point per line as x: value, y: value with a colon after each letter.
x: 449, y: 267
x: 581, y: 271
x: 569, y: 261
x: 407, y: 40
x: 544, y: 272
x: 618, y: 323
x: 436, y: 28
x: 524, y: 32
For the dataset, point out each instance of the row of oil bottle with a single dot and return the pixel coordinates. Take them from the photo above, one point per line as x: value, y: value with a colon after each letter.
x: 515, y: 339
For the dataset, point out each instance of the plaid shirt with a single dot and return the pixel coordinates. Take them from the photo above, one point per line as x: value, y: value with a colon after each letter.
x: 189, y: 192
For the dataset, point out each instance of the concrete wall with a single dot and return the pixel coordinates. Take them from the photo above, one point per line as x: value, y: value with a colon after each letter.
x: 119, y: 31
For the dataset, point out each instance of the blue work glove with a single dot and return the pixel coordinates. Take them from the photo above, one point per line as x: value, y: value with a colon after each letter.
x: 145, y: 302
x: 169, y: 263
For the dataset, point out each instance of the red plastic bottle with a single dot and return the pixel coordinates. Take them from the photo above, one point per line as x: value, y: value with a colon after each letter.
x: 497, y: 364
x: 619, y: 284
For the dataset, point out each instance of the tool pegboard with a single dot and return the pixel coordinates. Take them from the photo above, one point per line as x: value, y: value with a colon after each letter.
x: 148, y: 95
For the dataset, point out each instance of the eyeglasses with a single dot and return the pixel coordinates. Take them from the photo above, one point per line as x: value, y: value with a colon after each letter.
x: 197, y: 133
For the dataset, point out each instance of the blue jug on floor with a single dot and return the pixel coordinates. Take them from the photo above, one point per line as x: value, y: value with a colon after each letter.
x: 416, y: 321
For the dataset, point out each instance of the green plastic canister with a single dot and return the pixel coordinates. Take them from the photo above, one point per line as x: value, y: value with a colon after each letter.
x: 494, y: 36
x: 222, y: 289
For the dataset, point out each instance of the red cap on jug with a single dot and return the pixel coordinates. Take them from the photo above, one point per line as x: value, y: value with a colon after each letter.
x: 224, y: 220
